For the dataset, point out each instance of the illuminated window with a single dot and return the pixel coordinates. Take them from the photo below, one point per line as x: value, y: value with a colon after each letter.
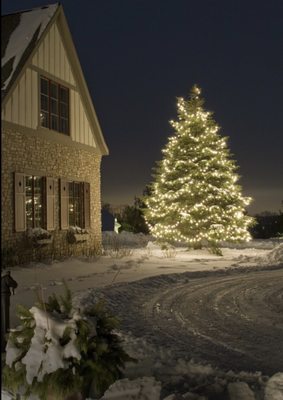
x: 54, y: 106
x: 34, y: 201
x: 76, y: 204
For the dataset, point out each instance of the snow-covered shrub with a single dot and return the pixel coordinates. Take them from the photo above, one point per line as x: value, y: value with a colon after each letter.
x: 61, y: 350
x: 38, y: 233
x: 114, y: 245
x: 168, y: 250
x: 39, y: 236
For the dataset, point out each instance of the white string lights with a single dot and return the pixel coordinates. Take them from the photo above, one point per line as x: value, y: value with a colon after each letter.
x: 195, y: 196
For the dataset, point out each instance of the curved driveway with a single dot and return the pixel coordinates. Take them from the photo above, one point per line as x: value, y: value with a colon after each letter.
x: 232, y: 321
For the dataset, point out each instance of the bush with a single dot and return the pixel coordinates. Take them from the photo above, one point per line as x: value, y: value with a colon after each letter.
x: 63, y: 350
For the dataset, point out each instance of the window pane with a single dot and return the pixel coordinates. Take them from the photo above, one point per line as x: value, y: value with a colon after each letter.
x: 54, y: 106
x: 54, y: 122
x: 44, y: 119
x: 71, y: 205
x: 29, y: 205
x: 63, y: 110
x: 44, y: 86
x: 38, y: 211
x: 64, y: 94
x: 44, y: 102
x: 64, y: 125
x: 54, y: 90
x: 75, y: 204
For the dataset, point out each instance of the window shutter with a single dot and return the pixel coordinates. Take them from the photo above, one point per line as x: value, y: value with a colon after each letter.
x: 50, y: 204
x: 64, y: 204
x: 20, y: 202
x: 86, y: 205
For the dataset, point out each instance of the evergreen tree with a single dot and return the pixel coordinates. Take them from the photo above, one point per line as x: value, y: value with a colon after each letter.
x: 59, y: 350
x: 194, y: 197
x: 132, y: 218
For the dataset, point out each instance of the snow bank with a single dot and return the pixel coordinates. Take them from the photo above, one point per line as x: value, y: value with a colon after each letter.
x: 274, y: 387
x: 240, y: 391
x: 273, y: 257
x: 139, y: 389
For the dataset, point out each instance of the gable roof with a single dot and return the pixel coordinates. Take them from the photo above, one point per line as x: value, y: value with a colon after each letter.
x: 22, y: 33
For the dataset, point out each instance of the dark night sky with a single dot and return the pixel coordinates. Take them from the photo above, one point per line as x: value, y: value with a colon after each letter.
x: 139, y: 55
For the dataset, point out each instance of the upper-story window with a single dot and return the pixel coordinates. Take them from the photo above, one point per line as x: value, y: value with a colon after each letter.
x: 54, y: 105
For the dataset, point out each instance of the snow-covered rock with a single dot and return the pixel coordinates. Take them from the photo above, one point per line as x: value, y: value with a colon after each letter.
x: 274, y: 387
x: 6, y: 395
x: 240, y: 391
x: 146, y: 388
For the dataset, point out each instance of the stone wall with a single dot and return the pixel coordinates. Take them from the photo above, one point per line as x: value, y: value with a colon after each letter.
x: 33, y: 153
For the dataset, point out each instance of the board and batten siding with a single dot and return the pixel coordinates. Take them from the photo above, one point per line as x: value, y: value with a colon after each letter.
x: 52, y: 57
x: 22, y: 107
x: 80, y: 128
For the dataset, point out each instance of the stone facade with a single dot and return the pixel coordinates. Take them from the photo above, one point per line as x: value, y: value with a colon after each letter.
x: 24, y: 151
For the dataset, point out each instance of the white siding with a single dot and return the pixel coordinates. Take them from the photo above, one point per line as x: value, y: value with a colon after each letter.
x: 22, y: 111
x: 23, y: 108
x: 34, y: 100
x: 80, y: 128
x: 52, y: 58
x: 28, y: 98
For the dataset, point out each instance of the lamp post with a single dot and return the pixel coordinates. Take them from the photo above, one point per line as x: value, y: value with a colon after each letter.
x: 8, y: 285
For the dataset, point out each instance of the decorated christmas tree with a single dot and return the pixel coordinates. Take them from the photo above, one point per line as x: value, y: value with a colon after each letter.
x: 195, y: 197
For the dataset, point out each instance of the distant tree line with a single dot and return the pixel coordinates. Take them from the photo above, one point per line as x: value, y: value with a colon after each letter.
x: 131, y: 218
x: 268, y: 225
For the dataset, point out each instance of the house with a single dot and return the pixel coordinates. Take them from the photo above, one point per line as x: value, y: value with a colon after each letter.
x: 52, y: 144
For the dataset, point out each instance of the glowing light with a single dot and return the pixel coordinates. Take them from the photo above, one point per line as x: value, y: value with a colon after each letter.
x: 194, y: 196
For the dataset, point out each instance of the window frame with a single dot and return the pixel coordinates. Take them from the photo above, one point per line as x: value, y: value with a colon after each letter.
x: 47, y: 202
x: 85, y: 204
x: 60, y: 104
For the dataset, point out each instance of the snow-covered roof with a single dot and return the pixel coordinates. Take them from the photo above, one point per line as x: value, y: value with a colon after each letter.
x: 21, y: 32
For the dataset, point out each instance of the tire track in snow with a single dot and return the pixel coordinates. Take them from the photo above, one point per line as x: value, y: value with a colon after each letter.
x: 233, y: 321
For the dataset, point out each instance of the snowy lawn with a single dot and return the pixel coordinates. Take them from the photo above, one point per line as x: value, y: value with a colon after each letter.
x: 130, y: 263
x: 137, y: 263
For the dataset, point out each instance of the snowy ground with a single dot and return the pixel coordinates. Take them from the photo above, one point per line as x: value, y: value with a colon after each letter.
x: 197, y: 323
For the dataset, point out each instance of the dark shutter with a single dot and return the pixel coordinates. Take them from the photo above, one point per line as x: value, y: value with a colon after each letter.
x: 20, y: 202
x: 50, y: 204
x: 86, y: 187
x: 64, y: 204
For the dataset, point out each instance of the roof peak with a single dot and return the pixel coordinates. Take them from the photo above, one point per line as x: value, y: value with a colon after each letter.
x: 50, y: 5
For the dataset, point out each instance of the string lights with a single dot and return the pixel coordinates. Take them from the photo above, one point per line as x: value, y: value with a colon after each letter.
x: 195, y: 197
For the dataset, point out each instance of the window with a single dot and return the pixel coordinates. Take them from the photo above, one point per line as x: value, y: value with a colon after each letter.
x: 34, y: 201
x: 76, y: 209
x: 54, y: 106
x: 74, y: 204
